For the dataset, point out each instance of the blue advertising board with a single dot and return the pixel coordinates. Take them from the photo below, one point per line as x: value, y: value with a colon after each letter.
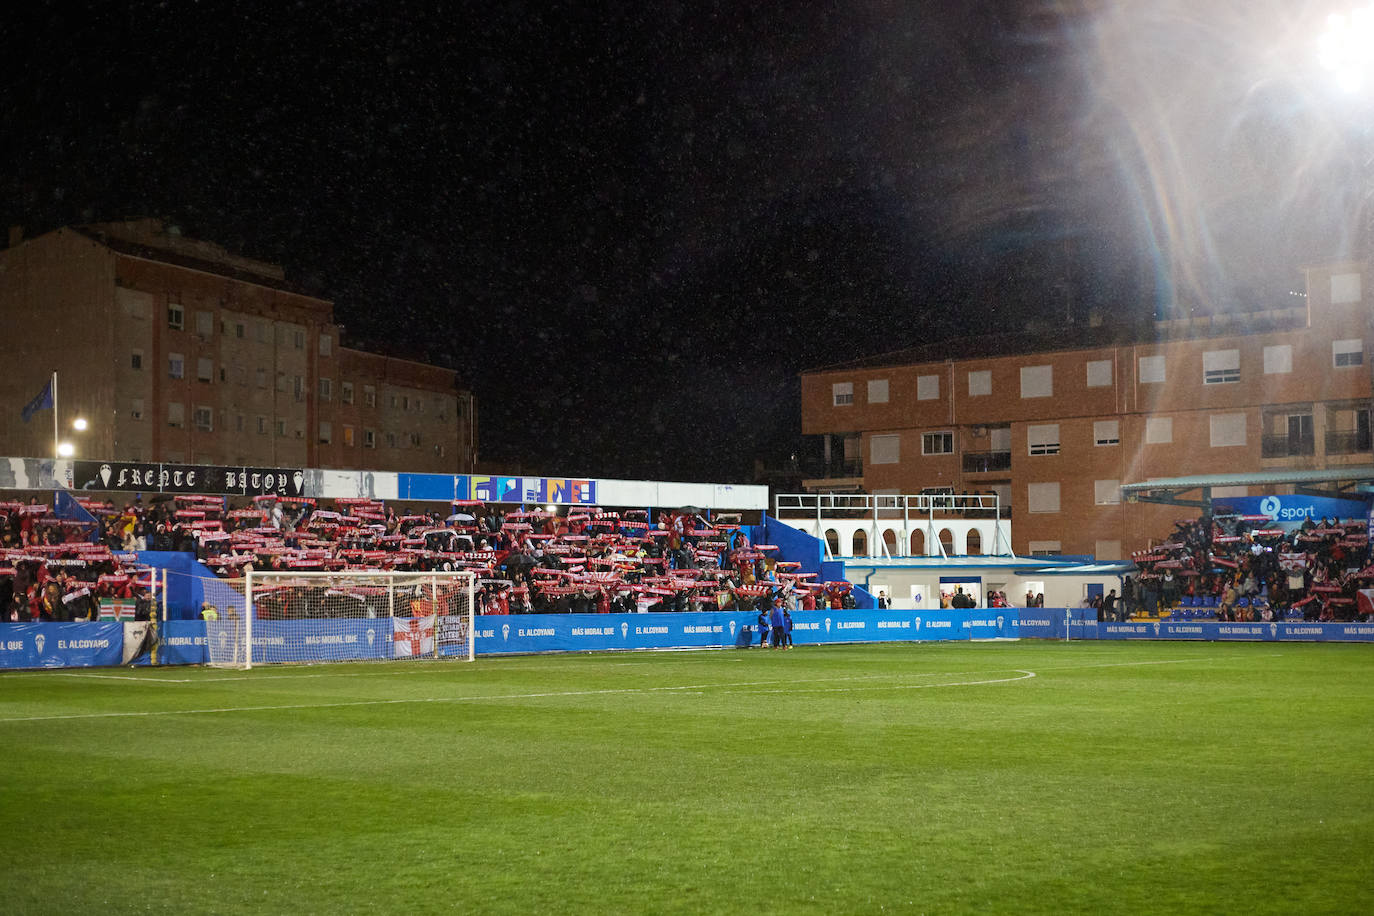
x: 61, y: 645
x: 1293, y: 509
x: 597, y: 632
x: 183, y: 643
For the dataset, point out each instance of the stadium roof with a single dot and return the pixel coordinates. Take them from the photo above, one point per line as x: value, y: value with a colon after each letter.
x: 1081, y: 569
x: 1360, y: 473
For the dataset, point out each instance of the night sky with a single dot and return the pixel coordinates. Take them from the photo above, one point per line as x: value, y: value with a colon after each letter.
x: 629, y: 228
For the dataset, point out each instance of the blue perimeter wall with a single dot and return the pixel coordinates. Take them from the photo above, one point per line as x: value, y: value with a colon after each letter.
x: 61, y: 645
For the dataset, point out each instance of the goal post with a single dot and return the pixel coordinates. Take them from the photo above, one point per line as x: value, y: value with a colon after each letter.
x: 287, y: 617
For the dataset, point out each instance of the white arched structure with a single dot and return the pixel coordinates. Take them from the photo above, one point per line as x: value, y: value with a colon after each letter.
x: 890, y: 526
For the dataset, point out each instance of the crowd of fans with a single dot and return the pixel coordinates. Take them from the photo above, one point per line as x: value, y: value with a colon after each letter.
x: 1245, y: 568
x: 587, y: 561
x: 58, y: 569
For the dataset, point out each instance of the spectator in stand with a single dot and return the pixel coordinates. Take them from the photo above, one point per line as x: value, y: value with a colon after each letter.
x: 1109, y: 610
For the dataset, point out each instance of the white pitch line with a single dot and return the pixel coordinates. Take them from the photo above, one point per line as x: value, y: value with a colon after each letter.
x: 692, y: 688
x: 1024, y: 676
x: 125, y: 677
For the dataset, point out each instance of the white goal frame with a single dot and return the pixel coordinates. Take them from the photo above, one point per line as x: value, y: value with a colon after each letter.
x: 238, y: 623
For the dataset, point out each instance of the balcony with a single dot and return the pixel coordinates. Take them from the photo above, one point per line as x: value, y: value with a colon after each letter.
x: 1350, y: 442
x: 985, y: 462
x: 1284, y: 446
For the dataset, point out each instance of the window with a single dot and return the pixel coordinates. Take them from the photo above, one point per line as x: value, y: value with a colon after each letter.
x: 1346, y: 353
x: 884, y: 449
x: 262, y: 426
x: 240, y: 375
x: 390, y: 440
x: 204, y: 418
x: 1099, y: 373
x: 1151, y: 370
x: 261, y: 332
x: 1043, y: 438
x: 1107, y: 551
x: 176, y: 365
x: 927, y: 387
x: 346, y: 392
x: 298, y: 387
x: 176, y: 415
x: 414, y: 440
x: 937, y: 443
x: 326, y: 432
x: 326, y: 389
x: 1159, y: 430
x: 326, y: 344
x: 298, y: 339
x: 1043, y: 549
x: 238, y: 422
x: 176, y: 316
x: 980, y: 383
x: 205, y: 369
x: 136, y: 360
x: 348, y: 436
x: 1107, y: 492
x: 281, y: 428
x: 239, y: 330
x: 205, y: 323
x: 136, y: 409
x: 261, y: 375
x: 369, y: 396
x: 369, y: 438
x: 300, y: 431
x: 877, y: 391
x: 999, y: 437
x: 1220, y: 367
x: 1037, y: 381
x: 841, y: 394
x: 1042, y: 497
x: 223, y: 374
x: 1345, y: 288
x: 1278, y: 360
x: 405, y: 402
x: 1106, y: 432
x: 1228, y: 429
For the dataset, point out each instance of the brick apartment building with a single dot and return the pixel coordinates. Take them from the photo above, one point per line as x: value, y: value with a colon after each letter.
x: 1055, y: 426
x: 176, y: 350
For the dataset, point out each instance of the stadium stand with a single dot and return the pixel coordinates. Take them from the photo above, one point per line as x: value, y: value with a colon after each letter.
x: 1246, y: 568
x: 588, y: 561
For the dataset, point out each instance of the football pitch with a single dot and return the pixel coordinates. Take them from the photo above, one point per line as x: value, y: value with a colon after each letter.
x: 943, y: 778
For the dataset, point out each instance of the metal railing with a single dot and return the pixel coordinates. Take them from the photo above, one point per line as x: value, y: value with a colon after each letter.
x: 984, y: 462
x: 1285, y: 446
x: 1351, y: 442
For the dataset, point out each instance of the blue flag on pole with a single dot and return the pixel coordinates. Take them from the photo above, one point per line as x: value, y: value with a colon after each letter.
x: 41, y: 402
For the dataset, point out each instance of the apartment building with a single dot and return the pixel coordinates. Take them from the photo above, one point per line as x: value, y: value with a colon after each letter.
x: 1055, y: 425
x: 176, y: 350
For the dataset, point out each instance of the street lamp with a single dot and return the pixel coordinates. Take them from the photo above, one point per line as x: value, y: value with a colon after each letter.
x: 66, y: 449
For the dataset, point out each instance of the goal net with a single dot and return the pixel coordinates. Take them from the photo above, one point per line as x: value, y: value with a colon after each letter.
x: 283, y: 617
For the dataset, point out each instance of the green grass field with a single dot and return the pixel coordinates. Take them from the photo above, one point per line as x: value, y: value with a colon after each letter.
x: 1009, y: 777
